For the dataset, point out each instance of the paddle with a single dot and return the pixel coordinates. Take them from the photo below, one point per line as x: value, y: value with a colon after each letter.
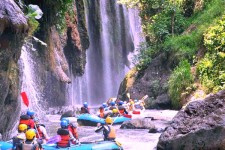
x: 128, y: 95
x: 54, y: 139
x: 24, y: 98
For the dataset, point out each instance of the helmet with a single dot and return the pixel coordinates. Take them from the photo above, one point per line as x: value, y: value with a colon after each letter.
x: 112, y: 103
x: 22, y: 127
x: 121, y: 103
x: 30, y: 113
x: 109, y: 120
x: 101, y: 107
x: 36, y: 120
x: 63, y: 124
x: 30, y: 134
x: 67, y: 120
x: 85, y: 104
x: 104, y: 105
x: 135, y: 100
x: 115, y: 111
x: 131, y: 102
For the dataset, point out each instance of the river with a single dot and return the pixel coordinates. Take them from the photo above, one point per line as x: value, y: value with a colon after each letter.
x: 131, y: 139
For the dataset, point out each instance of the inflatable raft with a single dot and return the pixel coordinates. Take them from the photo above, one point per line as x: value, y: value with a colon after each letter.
x: 102, y: 145
x: 5, y: 145
x: 92, y: 120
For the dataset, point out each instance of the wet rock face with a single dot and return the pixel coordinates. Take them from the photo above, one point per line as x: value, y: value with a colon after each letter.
x: 13, y: 29
x: 198, y: 126
x: 152, y: 81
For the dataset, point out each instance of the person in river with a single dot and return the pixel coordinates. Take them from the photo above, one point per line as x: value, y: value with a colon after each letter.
x: 108, y: 130
x: 65, y: 134
x: 72, y: 127
x: 20, y: 137
x: 122, y: 109
x: 112, y: 106
x: 85, y: 108
x: 31, y: 142
x: 41, y: 132
x: 28, y: 119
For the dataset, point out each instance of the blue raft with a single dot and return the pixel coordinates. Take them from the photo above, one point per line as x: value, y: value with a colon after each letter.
x: 5, y: 145
x: 92, y: 120
x: 102, y: 145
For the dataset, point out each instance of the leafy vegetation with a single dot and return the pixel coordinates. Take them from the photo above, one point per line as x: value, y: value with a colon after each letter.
x: 180, y: 79
x: 211, y: 69
x: 59, y: 8
x: 180, y: 28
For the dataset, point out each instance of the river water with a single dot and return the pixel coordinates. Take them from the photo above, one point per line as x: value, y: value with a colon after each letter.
x: 131, y: 139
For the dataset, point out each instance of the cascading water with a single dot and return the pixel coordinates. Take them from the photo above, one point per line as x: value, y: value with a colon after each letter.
x: 114, y: 33
x: 30, y: 81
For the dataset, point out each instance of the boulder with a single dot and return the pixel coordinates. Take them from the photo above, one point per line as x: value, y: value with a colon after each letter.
x: 198, y: 126
x: 139, y: 123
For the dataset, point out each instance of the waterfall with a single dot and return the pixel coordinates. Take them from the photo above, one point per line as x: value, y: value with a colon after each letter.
x: 29, y: 78
x: 114, y: 33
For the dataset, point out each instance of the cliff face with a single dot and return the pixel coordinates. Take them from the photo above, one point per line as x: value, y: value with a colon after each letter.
x: 13, y: 29
x: 65, y: 51
x: 152, y: 81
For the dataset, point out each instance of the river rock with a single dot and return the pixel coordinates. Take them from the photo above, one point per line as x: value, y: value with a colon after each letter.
x: 198, y: 126
x: 139, y: 123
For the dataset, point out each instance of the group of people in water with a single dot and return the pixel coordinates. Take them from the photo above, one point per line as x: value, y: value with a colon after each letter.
x: 32, y: 134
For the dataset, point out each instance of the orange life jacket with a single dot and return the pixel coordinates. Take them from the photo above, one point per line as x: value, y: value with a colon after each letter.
x: 101, y: 114
x: 111, y: 134
x: 65, y: 138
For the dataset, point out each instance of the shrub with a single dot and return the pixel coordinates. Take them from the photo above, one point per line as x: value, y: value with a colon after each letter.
x: 178, y: 81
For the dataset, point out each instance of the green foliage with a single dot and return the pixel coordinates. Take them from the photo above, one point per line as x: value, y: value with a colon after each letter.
x: 129, y: 3
x: 178, y: 81
x: 33, y: 25
x: 145, y: 54
x: 59, y: 8
x: 211, y: 69
x: 32, y: 22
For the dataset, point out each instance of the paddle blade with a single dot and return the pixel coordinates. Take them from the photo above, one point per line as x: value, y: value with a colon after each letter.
x: 54, y: 139
x: 127, y: 116
x: 143, y: 98
x: 128, y: 95
x: 25, y: 99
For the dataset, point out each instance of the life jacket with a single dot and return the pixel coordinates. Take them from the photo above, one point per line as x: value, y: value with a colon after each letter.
x: 109, y: 134
x: 42, y: 136
x: 121, y: 109
x: 18, y: 139
x: 65, y: 138
x: 25, y: 119
x: 73, y: 130
x: 84, y: 110
x: 30, y: 146
x: 101, y: 114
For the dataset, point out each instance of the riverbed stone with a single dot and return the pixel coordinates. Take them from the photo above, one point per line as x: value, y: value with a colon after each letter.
x: 200, y: 125
x: 139, y: 123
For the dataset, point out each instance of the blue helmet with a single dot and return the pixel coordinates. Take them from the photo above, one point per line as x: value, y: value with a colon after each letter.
x: 112, y: 103
x: 63, y: 124
x: 121, y: 103
x: 135, y: 100
x: 30, y: 113
x: 67, y: 120
x: 104, y: 105
x: 85, y: 104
